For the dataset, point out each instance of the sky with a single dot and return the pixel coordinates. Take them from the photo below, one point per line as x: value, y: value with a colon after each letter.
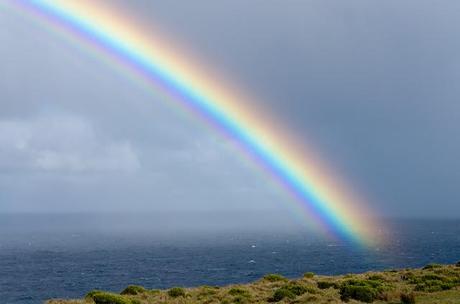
x: 373, y: 86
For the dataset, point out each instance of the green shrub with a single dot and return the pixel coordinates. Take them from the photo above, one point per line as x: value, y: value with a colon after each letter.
x: 176, y: 292
x: 371, y: 283
x: 235, y: 291
x: 133, y: 290
x: 435, y: 282
x: 101, y: 297
x: 90, y: 294
x: 447, y: 286
x: 326, y: 284
x: 361, y: 290
x: 415, y: 280
x: 429, y: 277
x: 407, y: 298
x: 432, y: 266
x: 361, y: 293
x: 240, y: 295
x: 280, y: 294
x: 376, y: 277
x: 289, y: 291
x: 434, y: 285
x: 274, y: 278
x: 308, y: 275
x: 296, y: 289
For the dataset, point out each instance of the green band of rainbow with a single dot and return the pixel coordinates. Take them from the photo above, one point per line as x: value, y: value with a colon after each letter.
x: 307, y: 181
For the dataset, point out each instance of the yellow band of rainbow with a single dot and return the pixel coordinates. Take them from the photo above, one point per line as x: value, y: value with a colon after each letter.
x: 293, y: 166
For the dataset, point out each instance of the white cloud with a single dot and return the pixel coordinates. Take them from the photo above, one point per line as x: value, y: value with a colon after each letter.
x: 62, y: 142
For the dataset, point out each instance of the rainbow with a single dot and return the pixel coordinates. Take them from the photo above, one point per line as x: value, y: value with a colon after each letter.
x: 159, y: 65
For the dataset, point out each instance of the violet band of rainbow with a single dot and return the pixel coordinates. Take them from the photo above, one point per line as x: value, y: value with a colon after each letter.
x: 311, y: 185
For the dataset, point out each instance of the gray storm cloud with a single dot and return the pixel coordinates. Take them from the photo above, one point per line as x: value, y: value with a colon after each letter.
x: 62, y: 142
x: 372, y: 85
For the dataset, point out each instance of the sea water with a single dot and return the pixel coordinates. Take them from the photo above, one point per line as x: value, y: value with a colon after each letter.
x: 65, y: 257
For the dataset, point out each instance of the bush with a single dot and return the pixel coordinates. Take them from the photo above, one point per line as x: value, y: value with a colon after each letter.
x: 275, y: 278
x: 361, y: 293
x: 432, y: 266
x: 133, y: 290
x: 289, y: 291
x: 428, y: 277
x: 458, y: 264
x: 280, y: 294
x: 434, y: 282
x: 297, y: 289
x: 407, y: 298
x: 101, y: 297
x: 326, y: 284
x: 235, y: 291
x: 90, y: 294
x: 376, y: 277
x: 361, y: 290
x: 176, y: 292
x: 434, y: 285
x: 308, y: 275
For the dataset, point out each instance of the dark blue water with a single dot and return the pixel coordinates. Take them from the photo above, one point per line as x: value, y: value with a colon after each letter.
x: 38, y: 264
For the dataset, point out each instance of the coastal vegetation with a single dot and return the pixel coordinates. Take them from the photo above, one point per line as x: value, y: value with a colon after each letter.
x: 431, y: 284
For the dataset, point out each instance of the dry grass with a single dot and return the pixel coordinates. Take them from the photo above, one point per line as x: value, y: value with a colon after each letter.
x: 440, y: 284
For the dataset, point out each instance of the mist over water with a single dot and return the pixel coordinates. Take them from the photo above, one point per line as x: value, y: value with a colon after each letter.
x: 153, y: 224
x: 66, y: 255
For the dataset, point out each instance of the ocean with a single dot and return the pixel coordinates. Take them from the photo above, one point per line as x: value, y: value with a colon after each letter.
x: 53, y: 256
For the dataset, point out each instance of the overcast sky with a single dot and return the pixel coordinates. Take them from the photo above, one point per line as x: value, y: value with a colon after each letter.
x: 375, y: 84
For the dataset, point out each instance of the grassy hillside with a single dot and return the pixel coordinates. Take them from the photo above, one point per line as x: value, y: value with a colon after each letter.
x: 433, y: 283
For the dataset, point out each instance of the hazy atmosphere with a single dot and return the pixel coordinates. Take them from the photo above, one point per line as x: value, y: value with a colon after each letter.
x: 373, y: 86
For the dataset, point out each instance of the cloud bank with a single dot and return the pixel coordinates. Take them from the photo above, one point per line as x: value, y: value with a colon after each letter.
x: 64, y: 143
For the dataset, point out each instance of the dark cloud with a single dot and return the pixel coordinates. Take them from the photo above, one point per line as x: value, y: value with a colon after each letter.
x: 61, y: 143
